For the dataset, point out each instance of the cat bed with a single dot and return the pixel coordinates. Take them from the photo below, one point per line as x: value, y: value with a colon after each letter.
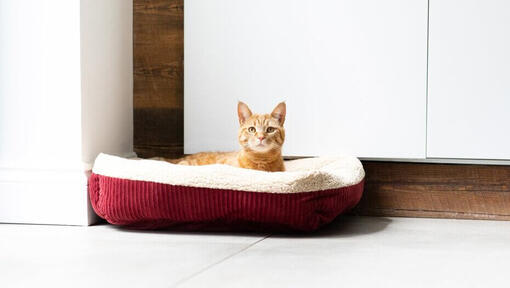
x: 151, y: 194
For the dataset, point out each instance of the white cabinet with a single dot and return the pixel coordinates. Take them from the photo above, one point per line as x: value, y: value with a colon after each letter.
x: 353, y: 73
x: 469, y: 79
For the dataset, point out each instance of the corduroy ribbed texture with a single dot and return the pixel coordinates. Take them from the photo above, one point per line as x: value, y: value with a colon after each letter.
x: 149, y: 205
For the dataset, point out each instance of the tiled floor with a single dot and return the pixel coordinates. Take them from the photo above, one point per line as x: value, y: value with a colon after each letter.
x: 352, y: 252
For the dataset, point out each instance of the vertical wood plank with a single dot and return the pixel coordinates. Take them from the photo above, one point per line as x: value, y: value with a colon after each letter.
x: 158, y: 27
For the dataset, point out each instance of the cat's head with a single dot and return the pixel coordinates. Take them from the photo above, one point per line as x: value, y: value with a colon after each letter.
x: 261, y: 132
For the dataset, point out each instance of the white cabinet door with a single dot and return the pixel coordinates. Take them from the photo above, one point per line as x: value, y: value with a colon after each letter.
x: 353, y: 73
x: 469, y: 79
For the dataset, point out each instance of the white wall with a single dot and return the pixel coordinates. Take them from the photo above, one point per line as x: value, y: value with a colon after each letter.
x: 65, y: 95
x: 107, y: 77
x: 40, y: 84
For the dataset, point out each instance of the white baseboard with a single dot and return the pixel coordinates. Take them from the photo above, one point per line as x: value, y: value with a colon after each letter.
x: 44, y: 197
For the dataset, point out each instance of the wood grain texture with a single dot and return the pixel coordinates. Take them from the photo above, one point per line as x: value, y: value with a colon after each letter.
x: 159, y: 132
x: 392, y: 189
x: 436, y: 190
x: 158, y: 27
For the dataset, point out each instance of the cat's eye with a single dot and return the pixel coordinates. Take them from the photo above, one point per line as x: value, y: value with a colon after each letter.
x: 270, y: 129
x: 252, y: 129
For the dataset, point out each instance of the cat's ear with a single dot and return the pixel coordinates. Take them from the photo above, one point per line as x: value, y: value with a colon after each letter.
x: 279, y: 112
x: 243, y: 111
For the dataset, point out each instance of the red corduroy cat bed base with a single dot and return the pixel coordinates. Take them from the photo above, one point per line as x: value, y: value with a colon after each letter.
x: 150, y: 194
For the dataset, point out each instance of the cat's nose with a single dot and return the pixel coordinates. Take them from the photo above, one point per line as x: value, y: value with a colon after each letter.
x: 261, y: 138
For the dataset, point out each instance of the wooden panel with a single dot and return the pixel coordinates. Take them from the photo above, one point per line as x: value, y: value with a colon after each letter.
x: 158, y: 132
x: 436, y: 190
x: 158, y: 77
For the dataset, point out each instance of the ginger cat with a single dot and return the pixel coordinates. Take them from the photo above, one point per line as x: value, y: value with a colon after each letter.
x: 261, y: 137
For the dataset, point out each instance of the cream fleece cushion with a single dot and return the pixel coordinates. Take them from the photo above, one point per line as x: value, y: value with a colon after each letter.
x: 302, y: 175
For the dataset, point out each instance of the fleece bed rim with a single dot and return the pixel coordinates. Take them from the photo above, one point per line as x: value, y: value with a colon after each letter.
x: 301, y: 175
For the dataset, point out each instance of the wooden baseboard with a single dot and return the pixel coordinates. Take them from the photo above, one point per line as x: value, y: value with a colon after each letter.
x: 379, y: 212
x: 436, y: 191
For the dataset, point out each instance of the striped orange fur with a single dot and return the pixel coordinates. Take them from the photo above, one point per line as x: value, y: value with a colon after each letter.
x: 261, y: 137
